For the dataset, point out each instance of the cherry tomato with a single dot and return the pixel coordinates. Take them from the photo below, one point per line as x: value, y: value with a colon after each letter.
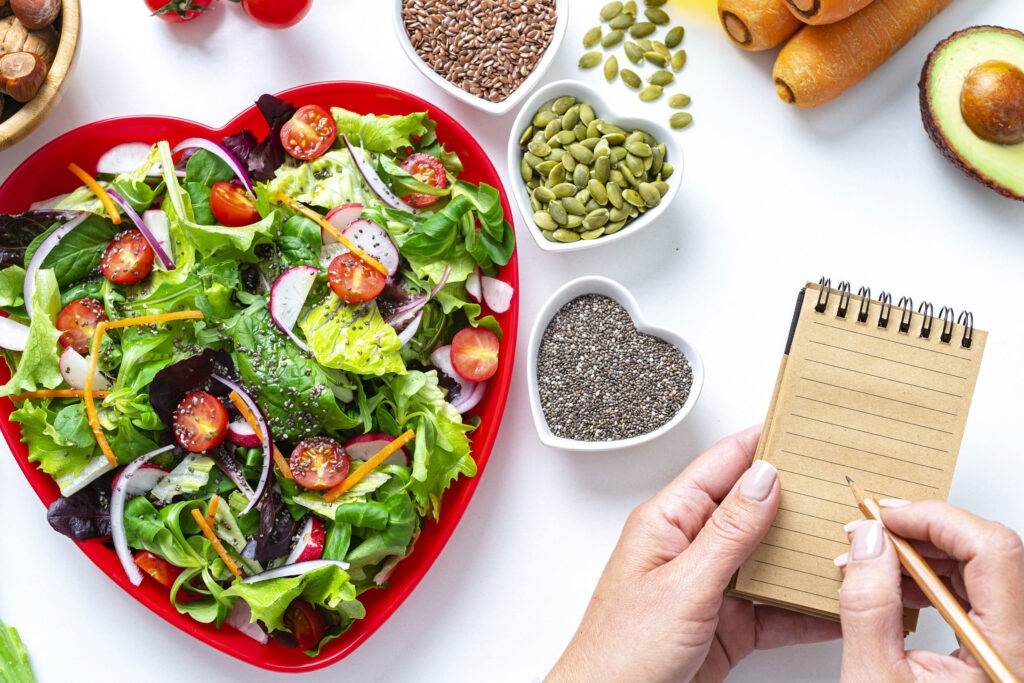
x: 200, y: 422
x: 128, y: 259
x: 78, y: 323
x: 276, y: 13
x: 305, y: 623
x: 319, y: 462
x: 309, y: 132
x: 178, y: 11
x: 426, y: 169
x: 475, y: 353
x: 164, y: 572
x: 232, y: 205
x: 354, y: 281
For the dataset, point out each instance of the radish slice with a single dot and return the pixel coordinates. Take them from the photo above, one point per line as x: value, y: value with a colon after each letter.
x: 375, y: 241
x: 220, y: 152
x: 287, y: 297
x: 310, y: 544
x: 241, y: 434
x: 117, y: 500
x: 473, y: 285
x: 146, y: 477
x: 158, y: 248
x: 44, y: 249
x: 156, y: 221
x: 331, y: 251
x: 465, y: 403
x: 441, y: 359
x: 124, y: 158
x: 365, y: 446
x: 297, y: 569
x: 410, y: 330
x: 497, y: 294
x: 240, y: 618
x: 369, y: 174
x: 13, y: 335
x: 340, y: 217
x: 268, y: 453
x: 74, y: 368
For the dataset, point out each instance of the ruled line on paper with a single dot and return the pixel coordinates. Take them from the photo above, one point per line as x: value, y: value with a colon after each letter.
x: 894, y: 341
x: 798, y: 590
x: 890, y: 360
x: 866, y: 412
x: 807, y: 514
x: 804, y: 533
x: 794, y: 550
x: 859, y: 469
x: 846, y: 486
x: 794, y: 569
x: 861, y: 450
x: 888, y: 398
x: 869, y: 433
x: 827, y: 500
x: 888, y: 379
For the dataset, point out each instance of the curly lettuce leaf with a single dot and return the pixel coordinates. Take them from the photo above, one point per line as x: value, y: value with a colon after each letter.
x: 38, y: 366
x: 353, y: 337
x: 327, y: 182
x: 56, y: 453
x: 380, y: 133
x: 12, y: 279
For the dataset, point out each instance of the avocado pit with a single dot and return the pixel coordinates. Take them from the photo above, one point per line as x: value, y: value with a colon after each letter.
x: 992, y: 102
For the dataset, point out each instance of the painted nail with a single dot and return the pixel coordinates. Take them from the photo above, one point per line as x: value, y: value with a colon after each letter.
x: 758, y: 481
x: 852, y: 526
x: 868, y: 541
x: 893, y: 502
x: 842, y: 560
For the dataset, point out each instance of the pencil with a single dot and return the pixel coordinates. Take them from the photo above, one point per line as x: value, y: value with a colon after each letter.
x: 940, y: 597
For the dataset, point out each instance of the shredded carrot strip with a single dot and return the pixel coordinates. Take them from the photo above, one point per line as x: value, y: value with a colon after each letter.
x: 211, y: 512
x: 94, y: 357
x: 279, y: 459
x: 56, y: 393
x: 282, y: 464
x: 215, y: 542
x: 368, y: 466
x: 101, y: 194
x: 314, y: 216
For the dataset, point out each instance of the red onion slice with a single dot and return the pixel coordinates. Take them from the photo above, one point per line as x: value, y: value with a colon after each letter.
x: 240, y: 617
x: 410, y: 330
x: 467, y: 402
x: 268, y: 449
x: 44, y: 249
x: 369, y: 174
x: 154, y: 241
x: 295, y: 569
x: 222, y: 153
x: 407, y: 311
x: 117, y: 500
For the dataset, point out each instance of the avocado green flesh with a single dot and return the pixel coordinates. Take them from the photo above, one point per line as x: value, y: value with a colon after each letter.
x: 1003, y: 164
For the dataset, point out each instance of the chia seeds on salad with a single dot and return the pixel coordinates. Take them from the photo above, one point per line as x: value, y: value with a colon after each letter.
x: 601, y: 379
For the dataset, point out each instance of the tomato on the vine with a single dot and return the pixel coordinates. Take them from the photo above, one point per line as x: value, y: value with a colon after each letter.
x: 427, y: 169
x: 178, y: 11
x: 309, y: 132
x: 276, y: 13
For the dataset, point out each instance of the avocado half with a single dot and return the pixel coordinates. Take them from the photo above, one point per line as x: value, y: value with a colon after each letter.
x: 998, y: 166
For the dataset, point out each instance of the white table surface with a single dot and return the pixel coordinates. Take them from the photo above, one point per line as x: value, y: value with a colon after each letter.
x: 772, y: 196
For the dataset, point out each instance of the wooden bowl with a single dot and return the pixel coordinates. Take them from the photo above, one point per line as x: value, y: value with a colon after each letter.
x: 32, y: 113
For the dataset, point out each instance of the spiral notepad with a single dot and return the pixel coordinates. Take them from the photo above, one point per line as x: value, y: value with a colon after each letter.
x: 876, y: 391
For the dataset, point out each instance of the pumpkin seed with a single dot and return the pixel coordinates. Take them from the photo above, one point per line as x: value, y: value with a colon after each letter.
x: 661, y: 77
x: 633, y: 52
x: 535, y: 204
x: 609, y: 11
x: 613, y: 228
x: 541, y: 149
x: 588, y: 61
x: 666, y: 170
x: 661, y: 49
x: 656, y: 58
x: 680, y: 119
x: 650, y: 93
x: 654, y: 3
x: 614, y: 195
x: 525, y: 170
x: 596, y: 218
x: 629, y: 8
x: 657, y: 159
x: 594, y: 128
x: 597, y: 191
x: 622, y: 21
x: 580, y: 175
x: 635, y: 164
x: 601, y: 148
x: 611, y: 68
x: 562, y: 104
x: 586, y: 114
x: 610, y: 128
x: 569, y: 163
x: 613, y: 38
x: 558, y: 213
x: 674, y: 36
x: 649, y: 193
x: 574, y: 206
x: 630, y: 78
x: 640, y: 149
x: 678, y: 60
x: 661, y: 186
x: 657, y: 16
x: 544, y: 221
x: 544, y: 194
x: 526, y: 135
x: 633, y: 197
x: 565, y: 137
x: 574, y: 222
x: 571, y: 117
x: 679, y: 101
x: 615, y: 139
x: 617, y: 154
x: 618, y: 213
x: 591, y: 37
x: 592, y: 234
x: 556, y: 176
x: 544, y: 117
x: 639, y: 30
x: 584, y: 197
x: 545, y: 166
x: 645, y: 44
x: 580, y: 132
x: 563, y: 235
x: 563, y: 190
x: 549, y: 235
x: 581, y: 153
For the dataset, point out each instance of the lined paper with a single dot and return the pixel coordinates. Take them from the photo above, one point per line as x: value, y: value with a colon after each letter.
x: 887, y: 408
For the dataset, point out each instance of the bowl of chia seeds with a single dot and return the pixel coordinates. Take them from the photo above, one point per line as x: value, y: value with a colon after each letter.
x: 603, y: 378
x: 487, y: 53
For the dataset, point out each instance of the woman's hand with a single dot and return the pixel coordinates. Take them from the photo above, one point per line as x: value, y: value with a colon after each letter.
x: 982, y: 563
x: 658, y: 612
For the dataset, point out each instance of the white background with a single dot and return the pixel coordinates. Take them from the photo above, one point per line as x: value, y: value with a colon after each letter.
x: 771, y: 196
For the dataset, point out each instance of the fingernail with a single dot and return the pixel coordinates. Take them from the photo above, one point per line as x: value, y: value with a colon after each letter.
x: 868, y: 541
x: 842, y: 560
x: 758, y: 481
x: 893, y: 502
x: 852, y: 526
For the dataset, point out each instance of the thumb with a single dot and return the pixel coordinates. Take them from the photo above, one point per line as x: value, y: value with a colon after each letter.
x: 732, y: 533
x: 871, y: 609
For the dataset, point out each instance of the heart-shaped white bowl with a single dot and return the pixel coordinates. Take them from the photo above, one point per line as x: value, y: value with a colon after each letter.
x: 595, y: 284
x: 604, y: 110
x: 513, y: 100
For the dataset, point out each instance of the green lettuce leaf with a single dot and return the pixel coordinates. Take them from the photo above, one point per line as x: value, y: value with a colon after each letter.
x: 380, y: 133
x: 38, y: 366
x: 14, y: 664
x: 12, y: 279
x: 353, y: 337
x: 56, y: 455
x: 327, y: 182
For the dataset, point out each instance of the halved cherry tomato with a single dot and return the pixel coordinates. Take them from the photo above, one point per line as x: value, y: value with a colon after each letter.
x: 178, y: 11
x: 78, y: 323
x: 276, y: 13
x: 128, y: 259
x: 200, y: 422
x: 319, y: 462
x: 426, y: 169
x: 305, y: 623
x: 354, y: 281
x: 309, y: 132
x: 475, y: 353
x: 232, y: 206
x: 164, y: 572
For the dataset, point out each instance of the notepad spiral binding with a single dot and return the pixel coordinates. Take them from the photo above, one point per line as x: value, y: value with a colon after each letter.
x: 906, y: 304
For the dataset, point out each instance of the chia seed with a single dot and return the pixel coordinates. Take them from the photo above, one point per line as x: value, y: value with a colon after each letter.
x: 600, y: 379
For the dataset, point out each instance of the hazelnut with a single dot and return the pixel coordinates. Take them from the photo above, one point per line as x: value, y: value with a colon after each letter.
x: 21, y: 74
x: 992, y: 102
x: 35, y: 14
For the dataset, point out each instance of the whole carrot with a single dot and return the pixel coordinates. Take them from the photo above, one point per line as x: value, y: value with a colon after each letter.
x: 821, y: 62
x: 757, y: 24
x: 825, y: 11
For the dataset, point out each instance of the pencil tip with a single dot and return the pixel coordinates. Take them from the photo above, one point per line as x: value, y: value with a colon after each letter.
x: 848, y: 480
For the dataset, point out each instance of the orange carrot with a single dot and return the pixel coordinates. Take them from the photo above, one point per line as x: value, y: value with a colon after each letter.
x: 282, y: 464
x: 821, y: 62
x: 279, y: 459
x: 317, y: 218
x: 101, y: 194
x: 215, y: 542
x: 368, y: 466
x: 825, y: 11
x: 211, y: 511
x: 56, y: 393
x: 757, y: 24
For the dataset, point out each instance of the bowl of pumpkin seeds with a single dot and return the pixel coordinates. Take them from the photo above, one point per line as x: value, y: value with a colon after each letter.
x: 583, y: 175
